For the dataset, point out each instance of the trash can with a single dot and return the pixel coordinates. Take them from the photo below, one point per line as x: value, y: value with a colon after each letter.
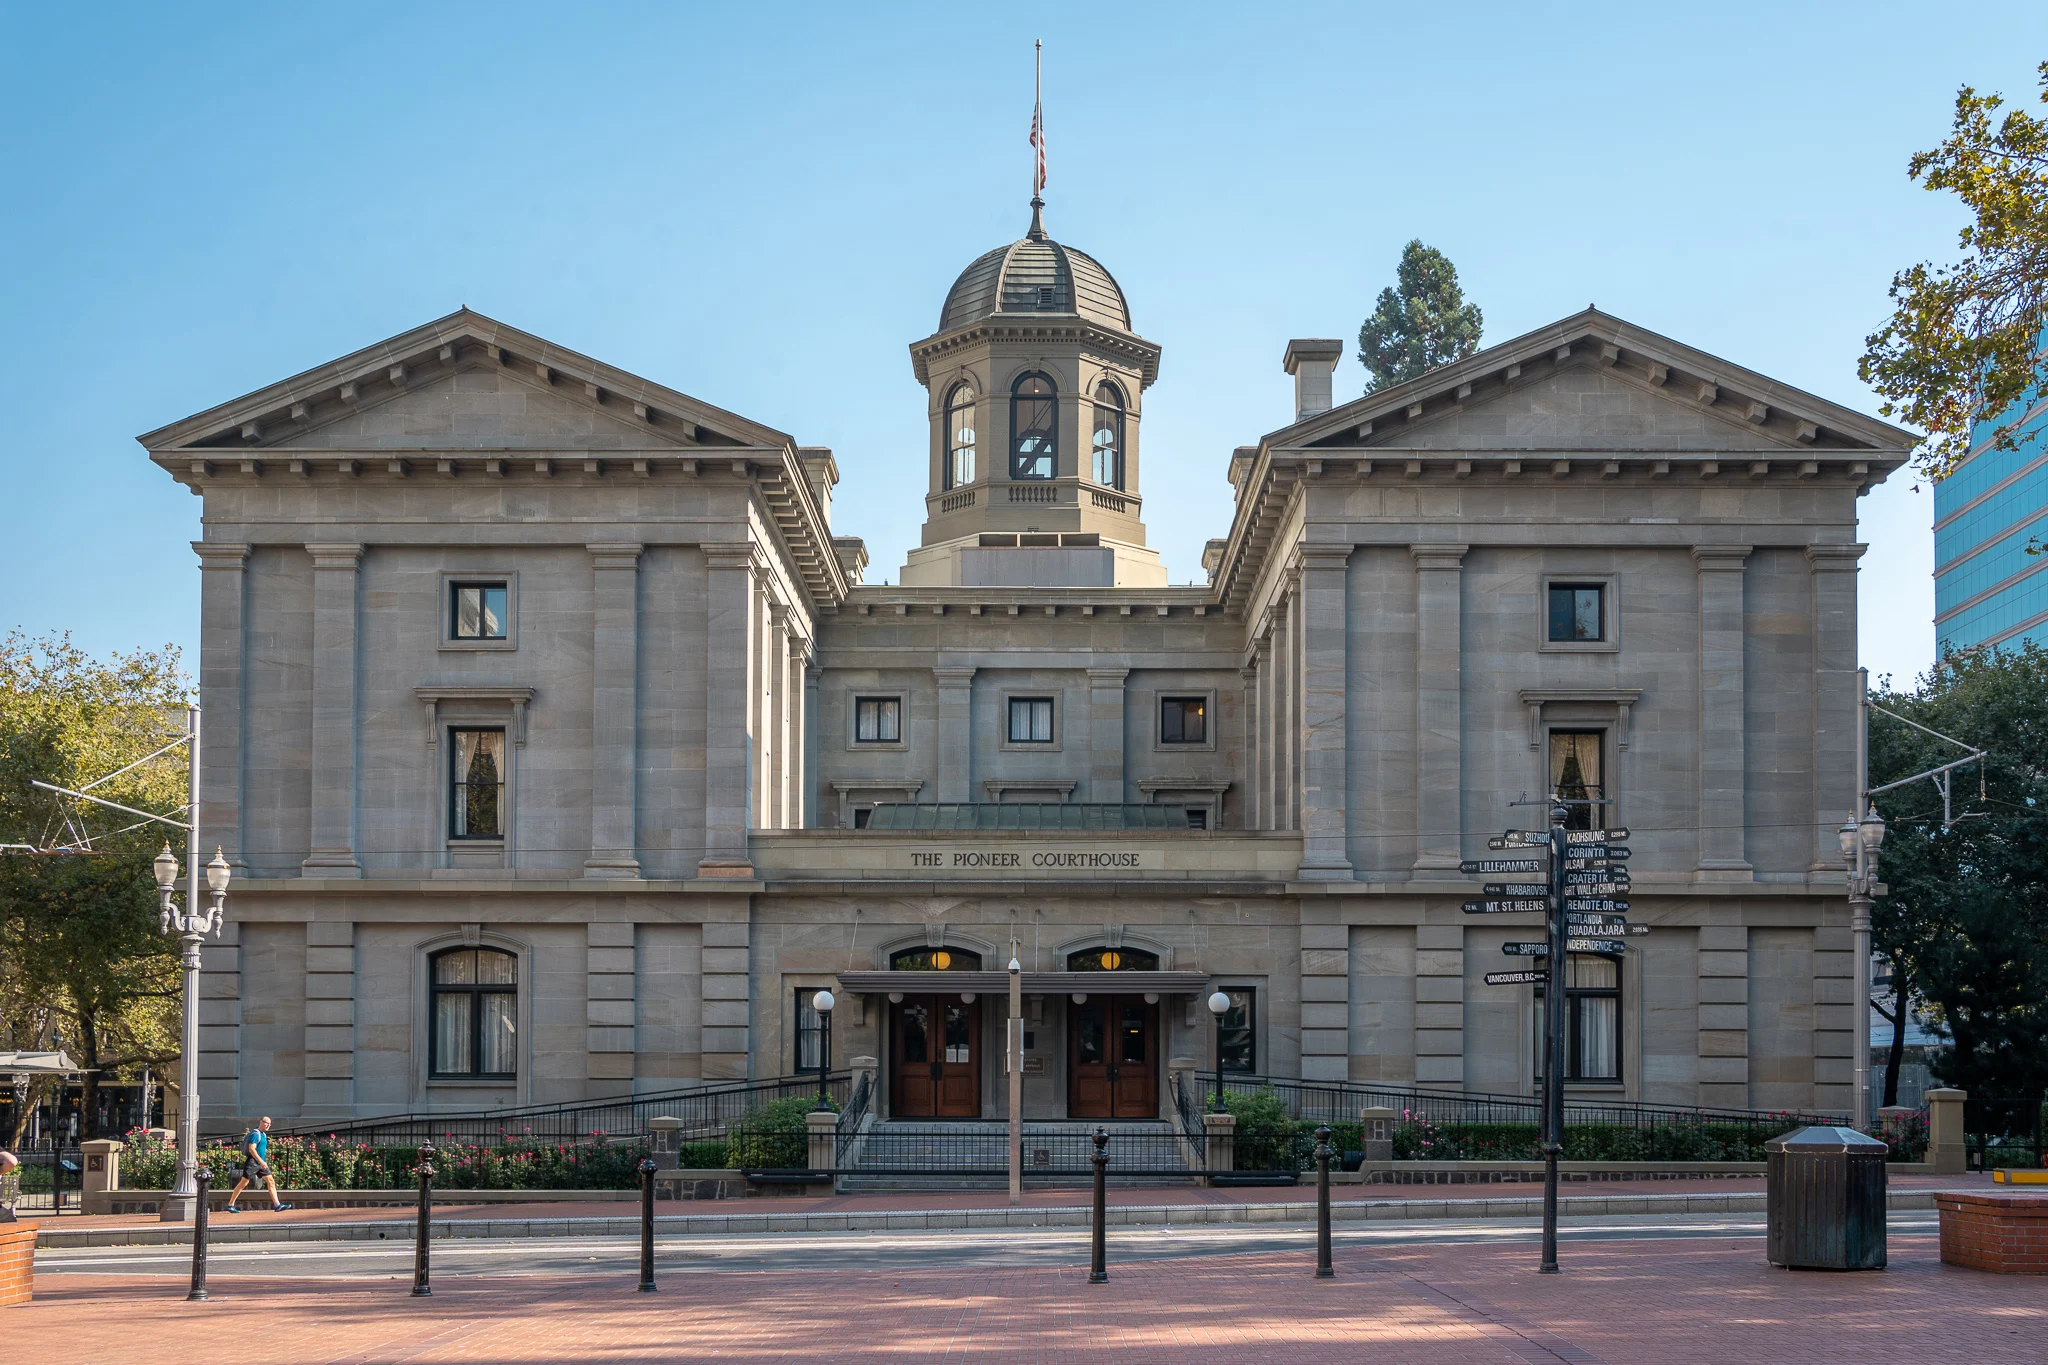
x: 1825, y: 1200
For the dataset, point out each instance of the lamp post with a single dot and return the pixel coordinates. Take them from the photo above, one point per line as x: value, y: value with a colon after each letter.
x: 1219, y: 1005
x: 823, y: 1002
x: 1860, y: 840
x: 193, y: 929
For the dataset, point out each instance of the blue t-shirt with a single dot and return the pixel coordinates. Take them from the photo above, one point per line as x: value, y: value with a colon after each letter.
x: 261, y: 1141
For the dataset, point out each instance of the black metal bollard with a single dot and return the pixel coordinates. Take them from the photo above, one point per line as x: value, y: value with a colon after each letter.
x: 421, y: 1289
x: 646, y: 1225
x: 202, y: 1180
x: 1098, y: 1264
x: 1324, y: 1270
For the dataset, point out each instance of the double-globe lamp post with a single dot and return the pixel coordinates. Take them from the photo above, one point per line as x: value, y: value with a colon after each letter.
x: 823, y: 1002
x: 1860, y: 840
x: 192, y: 929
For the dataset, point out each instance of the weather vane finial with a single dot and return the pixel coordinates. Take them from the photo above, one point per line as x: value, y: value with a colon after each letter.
x: 1037, y: 233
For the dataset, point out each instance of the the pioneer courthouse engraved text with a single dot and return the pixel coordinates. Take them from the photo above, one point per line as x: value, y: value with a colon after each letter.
x: 1091, y: 861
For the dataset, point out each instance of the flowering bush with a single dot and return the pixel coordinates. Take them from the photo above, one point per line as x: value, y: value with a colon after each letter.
x: 1417, y: 1139
x: 1904, y: 1136
x: 337, y: 1164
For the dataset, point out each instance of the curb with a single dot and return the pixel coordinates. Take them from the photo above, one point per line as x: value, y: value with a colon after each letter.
x: 1130, y: 1215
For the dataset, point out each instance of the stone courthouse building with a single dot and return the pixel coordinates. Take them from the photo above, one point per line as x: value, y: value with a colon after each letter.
x: 561, y: 751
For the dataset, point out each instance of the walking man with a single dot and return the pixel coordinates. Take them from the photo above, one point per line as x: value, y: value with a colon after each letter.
x: 256, y: 1166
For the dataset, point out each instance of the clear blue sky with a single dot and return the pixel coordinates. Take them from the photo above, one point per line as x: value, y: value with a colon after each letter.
x: 762, y: 206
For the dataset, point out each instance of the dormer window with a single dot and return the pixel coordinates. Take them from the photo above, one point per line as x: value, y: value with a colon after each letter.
x: 960, y: 435
x: 1034, y: 427
x: 1108, y: 465
x: 1048, y: 297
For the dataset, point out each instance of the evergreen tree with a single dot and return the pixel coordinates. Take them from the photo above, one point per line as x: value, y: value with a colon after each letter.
x: 1420, y: 323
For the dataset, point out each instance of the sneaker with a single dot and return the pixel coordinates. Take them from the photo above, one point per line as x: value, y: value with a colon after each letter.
x: 230, y: 1208
x: 280, y: 1208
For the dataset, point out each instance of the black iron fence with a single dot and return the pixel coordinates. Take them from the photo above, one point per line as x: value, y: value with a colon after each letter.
x: 1062, y: 1151
x: 47, y: 1182
x: 2002, y: 1133
x: 1337, y: 1102
x: 707, y: 1112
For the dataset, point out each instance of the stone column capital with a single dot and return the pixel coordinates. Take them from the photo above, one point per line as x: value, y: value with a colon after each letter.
x: 216, y: 554
x: 1107, y: 677
x: 1441, y: 557
x: 953, y: 677
x: 619, y: 556
x: 1720, y: 558
x: 335, y: 554
x: 1839, y: 558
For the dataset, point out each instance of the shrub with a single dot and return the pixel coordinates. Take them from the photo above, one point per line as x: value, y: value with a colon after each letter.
x: 704, y: 1156
x: 774, y: 1137
x: 334, y: 1164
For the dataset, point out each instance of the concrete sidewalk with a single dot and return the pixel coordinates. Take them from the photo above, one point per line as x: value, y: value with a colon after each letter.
x: 910, y: 1210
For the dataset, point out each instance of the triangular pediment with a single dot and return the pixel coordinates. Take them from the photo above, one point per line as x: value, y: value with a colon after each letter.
x: 1592, y: 382
x: 464, y: 382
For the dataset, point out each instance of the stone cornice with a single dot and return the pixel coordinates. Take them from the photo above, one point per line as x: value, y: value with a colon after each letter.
x: 1141, y: 354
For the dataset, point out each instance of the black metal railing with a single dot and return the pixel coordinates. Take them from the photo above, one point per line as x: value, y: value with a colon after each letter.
x: 2002, y: 1132
x: 48, y: 1181
x: 855, y: 1111
x: 950, y: 1151
x: 707, y: 1112
x: 1340, y: 1101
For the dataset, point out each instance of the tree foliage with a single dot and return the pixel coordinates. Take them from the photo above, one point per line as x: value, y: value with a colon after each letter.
x: 1966, y: 917
x: 1419, y: 323
x: 1963, y: 345
x: 85, y: 954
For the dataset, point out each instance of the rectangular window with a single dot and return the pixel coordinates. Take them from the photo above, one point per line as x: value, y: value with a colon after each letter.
x: 877, y: 720
x: 861, y: 816
x: 1577, y: 777
x: 478, y: 611
x: 476, y: 784
x: 476, y: 1000
x: 810, y: 1030
x: 1031, y: 720
x: 1184, y: 720
x: 1235, y: 1041
x: 1592, y: 1019
x: 1577, y: 613
x: 1198, y: 818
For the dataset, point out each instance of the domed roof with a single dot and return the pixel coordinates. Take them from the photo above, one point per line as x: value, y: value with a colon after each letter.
x: 1035, y: 275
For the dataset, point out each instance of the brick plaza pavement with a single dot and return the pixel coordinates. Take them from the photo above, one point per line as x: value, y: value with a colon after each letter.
x: 1658, y: 1302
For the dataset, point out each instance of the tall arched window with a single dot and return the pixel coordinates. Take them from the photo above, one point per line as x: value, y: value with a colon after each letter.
x: 476, y: 1008
x: 1034, y: 428
x: 960, y: 435
x: 1109, y: 436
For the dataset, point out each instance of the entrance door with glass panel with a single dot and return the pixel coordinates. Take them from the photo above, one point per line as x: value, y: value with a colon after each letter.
x: 935, y: 1056
x: 1112, y: 1058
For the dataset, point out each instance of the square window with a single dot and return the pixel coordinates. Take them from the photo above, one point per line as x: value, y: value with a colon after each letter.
x: 478, y: 611
x: 1030, y: 720
x: 1578, y: 613
x: 1184, y: 720
x: 1198, y: 818
x: 878, y: 720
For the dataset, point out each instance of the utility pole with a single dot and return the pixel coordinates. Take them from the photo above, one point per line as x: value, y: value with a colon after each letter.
x: 1013, y: 1061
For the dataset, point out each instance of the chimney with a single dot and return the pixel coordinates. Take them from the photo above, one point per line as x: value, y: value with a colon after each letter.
x: 1312, y: 361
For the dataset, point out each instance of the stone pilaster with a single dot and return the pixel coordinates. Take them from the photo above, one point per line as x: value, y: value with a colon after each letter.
x: 956, y: 744
x: 330, y: 1017
x: 222, y: 646
x: 220, y: 1021
x: 728, y: 749
x: 1252, y: 811
x: 1439, y: 706
x: 1106, y: 734
x: 807, y: 779
x: 761, y: 720
x: 1836, y: 705
x: 1723, y: 777
x: 1287, y: 702
x: 608, y: 1007
x: 1268, y: 739
x: 1724, y: 1015
x: 1834, y: 1019
x: 1440, y: 1006
x: 335, y: 570
x: 1325, y: 757
x: 614, y: 707
x: 796, y: 746
x: 727, y: 1012
x: 1325, y: 1000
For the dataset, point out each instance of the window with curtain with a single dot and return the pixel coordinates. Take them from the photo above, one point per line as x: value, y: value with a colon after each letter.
x: 1034, y: 428
x: 1184, y: 720
x: 877, y: 720
x: 1237, y: 1048
x: 476, y: 784
x: 810, y: 1030
x: 1030, y: 720
x: 1109, y: 436
x: 475, y: 1013
x: 1592, y: 1019
x: 960, y: 435
x: 1577, y: 776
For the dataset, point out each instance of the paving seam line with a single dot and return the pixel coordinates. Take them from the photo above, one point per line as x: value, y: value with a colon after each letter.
x: 1130, y: 1215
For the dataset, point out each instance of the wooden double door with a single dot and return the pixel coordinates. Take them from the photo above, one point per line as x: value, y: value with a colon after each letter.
x: 935, y: 1057
x: 1112, y: 1058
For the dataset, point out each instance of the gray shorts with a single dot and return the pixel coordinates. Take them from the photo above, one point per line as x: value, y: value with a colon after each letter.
x: 253, y: 1172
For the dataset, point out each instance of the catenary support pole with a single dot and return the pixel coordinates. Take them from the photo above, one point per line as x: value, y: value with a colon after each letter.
x: 1324, y: 1269
x: 1098, y: 1262
x: 420, y: 1287
x: 646, y: 1225
x: 1013, y: 1059
x: 1860, y: 878
x: 202, y: 1180
x: 178, y: 1207
x: 1553, y: 1037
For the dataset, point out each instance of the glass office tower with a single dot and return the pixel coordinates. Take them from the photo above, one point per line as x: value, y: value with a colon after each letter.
x: 1988, y: 590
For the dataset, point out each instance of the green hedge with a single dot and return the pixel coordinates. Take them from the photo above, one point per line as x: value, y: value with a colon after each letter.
x: 1417, y: 1139
x: 332, y: 1164
x: 774, y: 1137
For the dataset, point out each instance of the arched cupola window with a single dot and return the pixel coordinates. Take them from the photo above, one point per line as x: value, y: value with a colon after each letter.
x: 1034, y: 428
x: 1108, y: 467
x: 960, y: 435
x: 1112, y: 960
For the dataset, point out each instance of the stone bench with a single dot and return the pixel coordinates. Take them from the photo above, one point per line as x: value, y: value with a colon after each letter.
x: 1998, y: 1230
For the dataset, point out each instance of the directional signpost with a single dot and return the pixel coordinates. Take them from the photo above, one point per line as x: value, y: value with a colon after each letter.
x: 1583, y: 898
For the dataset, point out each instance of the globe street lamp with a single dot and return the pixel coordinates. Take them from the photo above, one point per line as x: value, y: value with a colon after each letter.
x: 192, y: 929
x: 1219, y: 1005
x: 823, y: 1002
x: 1860, y: 840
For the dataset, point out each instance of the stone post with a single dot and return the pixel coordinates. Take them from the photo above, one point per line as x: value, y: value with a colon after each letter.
x: 1947, y: 1152
x: 1378, y: 1124
x: 822, y: 1127
x: 661, y: 1132
x: 1220, y: 1134
x: 102, y: 1175
x: 865, y: 1067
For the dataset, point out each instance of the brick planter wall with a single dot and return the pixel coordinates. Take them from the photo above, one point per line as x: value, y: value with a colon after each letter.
x: 17, y: 1262
x: 1995, y: 1230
